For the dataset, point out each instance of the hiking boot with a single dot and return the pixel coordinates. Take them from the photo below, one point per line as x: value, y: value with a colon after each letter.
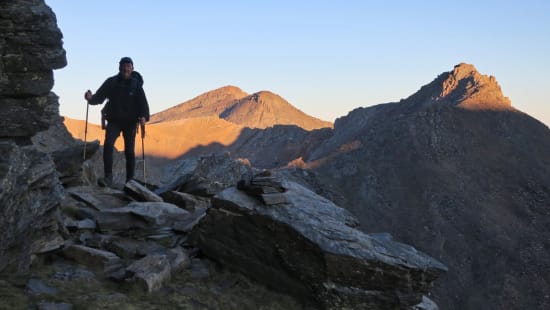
x: 106, y: 182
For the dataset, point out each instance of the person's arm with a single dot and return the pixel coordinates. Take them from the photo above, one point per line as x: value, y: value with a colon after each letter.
x: 143, y: 106
x: 101, y: 94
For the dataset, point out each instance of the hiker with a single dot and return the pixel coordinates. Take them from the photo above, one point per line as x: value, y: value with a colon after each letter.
x: 126, y: 108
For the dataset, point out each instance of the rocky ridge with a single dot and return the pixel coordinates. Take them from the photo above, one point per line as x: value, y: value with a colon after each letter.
x: 459, y: 173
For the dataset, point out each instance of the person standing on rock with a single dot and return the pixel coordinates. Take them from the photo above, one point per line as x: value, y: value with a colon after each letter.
x: 125, y: 109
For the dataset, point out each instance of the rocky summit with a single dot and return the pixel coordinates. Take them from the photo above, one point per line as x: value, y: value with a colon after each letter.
x: 465, y: 87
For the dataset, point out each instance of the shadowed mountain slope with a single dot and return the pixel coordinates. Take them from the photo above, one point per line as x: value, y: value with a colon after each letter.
x: 459, y: 173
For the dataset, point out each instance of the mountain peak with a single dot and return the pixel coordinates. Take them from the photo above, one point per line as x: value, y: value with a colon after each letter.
x: 463, y: 70
x: 210, y: 103
x: 465, y: 87
x: 265, y: 109
x: 262, y: 109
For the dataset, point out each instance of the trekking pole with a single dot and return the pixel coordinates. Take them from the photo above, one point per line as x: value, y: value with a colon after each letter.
x: 143, y: 151
x: 86, y: 129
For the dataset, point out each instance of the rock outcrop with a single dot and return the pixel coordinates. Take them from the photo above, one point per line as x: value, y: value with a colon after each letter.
x: 306, y: 246
x: 30, y: 48
x: 465, y: 87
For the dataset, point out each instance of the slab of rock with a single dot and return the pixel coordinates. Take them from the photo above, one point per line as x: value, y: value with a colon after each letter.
x: 211, y: 174
x: 186, y: 201
x: 93, y: 258
x: 151, y: 272
x: 131, y: 249
x: 154, y: 213
x: 307, y: 248
x: 273, y: 198
x: 186, y: 225
x: 68, y: 162
x: 140, y: 192
x: 119, y: 222
x: 30, y: 194
x: 99, y: 198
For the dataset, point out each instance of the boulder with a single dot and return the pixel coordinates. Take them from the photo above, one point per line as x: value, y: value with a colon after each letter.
x: 69, y: 160
x: 151, y: 272
x: 211, y: 174
x: 154, y: 213
x: 131, y: 249
x: 186, y: 201
x: 99, y: 198
x: 91, y: 257
x: 308, y: 247
x: 31, y: 47
x: 140, y: 192
x: 153, y: 219
x: 30, y: 193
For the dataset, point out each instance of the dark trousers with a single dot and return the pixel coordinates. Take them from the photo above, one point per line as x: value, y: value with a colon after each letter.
x: 111, y: 134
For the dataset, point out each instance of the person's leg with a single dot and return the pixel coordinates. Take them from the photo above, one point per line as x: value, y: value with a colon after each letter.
x: 129, y: 133
x: 111, y: 134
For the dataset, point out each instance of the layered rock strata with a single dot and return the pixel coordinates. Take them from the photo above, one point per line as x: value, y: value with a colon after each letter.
x: 30, y: 48
x: 308, y: 247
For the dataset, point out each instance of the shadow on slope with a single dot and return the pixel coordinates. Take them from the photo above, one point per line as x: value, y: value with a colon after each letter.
x: 470, y: 187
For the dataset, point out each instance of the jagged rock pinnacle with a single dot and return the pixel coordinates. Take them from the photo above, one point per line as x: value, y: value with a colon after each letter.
x: 464, y: 86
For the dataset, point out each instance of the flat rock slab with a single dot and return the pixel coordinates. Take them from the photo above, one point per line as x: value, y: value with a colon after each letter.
x: 100, y: 198
x: 91, y: 257
x: 140, y: 192
x: 154, y: 213
x: 186, y: 201
x: 151, y: 272
x: 128, y: 248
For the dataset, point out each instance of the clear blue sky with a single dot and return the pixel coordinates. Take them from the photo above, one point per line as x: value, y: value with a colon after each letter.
x: 324, y: 57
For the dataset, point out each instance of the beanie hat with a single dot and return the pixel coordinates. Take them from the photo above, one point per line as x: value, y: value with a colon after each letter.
x: 126, y: 60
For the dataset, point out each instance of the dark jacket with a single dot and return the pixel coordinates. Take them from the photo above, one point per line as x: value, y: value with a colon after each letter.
x: 127, y: 101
